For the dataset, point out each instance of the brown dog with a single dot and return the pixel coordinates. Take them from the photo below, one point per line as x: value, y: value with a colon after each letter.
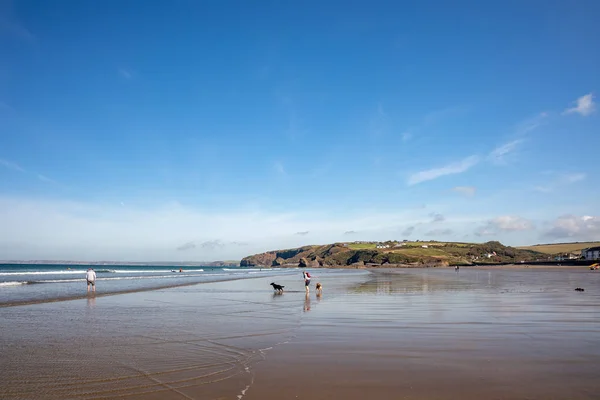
x: 319, y: 288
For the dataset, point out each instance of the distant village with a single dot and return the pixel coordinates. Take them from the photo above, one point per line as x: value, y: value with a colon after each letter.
x: 592, y: 253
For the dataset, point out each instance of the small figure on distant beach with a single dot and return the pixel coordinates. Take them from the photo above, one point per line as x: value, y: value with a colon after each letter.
x: 456, y: 268
x: 90, y: 277
x: 180, y: 269
x: 306, y: 276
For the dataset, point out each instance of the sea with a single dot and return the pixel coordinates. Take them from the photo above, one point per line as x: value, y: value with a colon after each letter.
x: 36, y: 283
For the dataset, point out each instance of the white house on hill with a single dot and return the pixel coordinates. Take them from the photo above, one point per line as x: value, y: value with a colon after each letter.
x: 593, y: 253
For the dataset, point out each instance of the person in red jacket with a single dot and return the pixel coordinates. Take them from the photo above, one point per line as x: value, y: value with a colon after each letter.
x: 306, y: 276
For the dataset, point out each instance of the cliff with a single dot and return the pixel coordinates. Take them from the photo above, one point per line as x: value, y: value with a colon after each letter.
x: 403, y: 253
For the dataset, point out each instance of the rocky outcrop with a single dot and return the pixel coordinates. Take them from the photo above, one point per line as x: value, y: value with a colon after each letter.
x: 259, y: 260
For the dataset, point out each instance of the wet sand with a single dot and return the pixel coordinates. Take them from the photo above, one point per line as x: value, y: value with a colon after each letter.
x: 387, y: 334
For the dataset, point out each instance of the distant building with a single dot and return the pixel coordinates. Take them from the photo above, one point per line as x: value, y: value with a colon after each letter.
x: 424, y: 246
x: 383, y: 246
x: 593, y: 253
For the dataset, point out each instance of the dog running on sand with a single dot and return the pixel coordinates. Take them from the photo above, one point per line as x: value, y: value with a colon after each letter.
x: 277, y: 288
x: 319, y: 288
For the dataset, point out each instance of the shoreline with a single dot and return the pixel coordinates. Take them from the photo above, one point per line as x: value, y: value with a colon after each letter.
x: 89, y: 295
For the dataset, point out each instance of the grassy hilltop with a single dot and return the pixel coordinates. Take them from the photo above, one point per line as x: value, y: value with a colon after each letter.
x: 394, y: 253
x: 561, y: 248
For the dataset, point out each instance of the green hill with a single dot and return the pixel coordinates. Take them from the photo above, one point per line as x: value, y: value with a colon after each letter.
x: 395, y: 253
x: 561, y: 248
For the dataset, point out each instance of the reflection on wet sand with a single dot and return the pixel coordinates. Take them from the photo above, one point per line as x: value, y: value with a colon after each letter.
x: 307, y: 302
x: 91, y: 301
x: 435, y: 334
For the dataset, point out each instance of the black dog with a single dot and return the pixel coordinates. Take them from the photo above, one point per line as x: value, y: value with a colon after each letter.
x: 277, y: 288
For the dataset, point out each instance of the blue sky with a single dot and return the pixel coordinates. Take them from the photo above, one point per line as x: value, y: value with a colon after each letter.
x: 209, y: 130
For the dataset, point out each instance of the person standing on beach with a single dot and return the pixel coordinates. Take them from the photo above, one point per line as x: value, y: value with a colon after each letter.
x: 306, y: 276
x: 90, y: 277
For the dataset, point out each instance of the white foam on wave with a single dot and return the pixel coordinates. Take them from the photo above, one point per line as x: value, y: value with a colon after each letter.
x: 13, y: 283
x: 143, y: 271
x: 42, y: 273
x: 116, y: 271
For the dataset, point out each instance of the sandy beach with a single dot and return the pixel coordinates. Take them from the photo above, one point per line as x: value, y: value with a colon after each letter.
x: 385, y: 334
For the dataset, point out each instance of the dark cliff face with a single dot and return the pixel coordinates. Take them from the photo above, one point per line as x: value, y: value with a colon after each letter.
x: 341, y: 255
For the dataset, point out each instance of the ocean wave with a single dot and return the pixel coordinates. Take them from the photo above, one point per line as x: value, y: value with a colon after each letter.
x: 99, y: 271
x: 142, y: 271
x: 121, y: 278
x: 247, y: 269
x: 13, y: 283
x: 60, y: 272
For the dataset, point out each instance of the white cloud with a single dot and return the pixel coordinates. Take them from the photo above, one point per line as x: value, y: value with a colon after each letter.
x: 575, y: 228
x: 450, y: 169
x: 505, y: 223
x: 465, y: 190
x: 498, y: 155
x: 11, y: 165
x: 585, y: 106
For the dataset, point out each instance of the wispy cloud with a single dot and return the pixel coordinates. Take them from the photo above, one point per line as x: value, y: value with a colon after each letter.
x: 303, y: 233
x: 499, y: 154
x: 379, y: 124
x: 279, y: 168
x: 465, y: 190
x: 408, y: 231
x: 6, y: 108
x: 506, y: 223
x: 125, y: 73
x: 560, y: 181
x: 11, y: 165
x: 44, y: 178
x: 187, y: 246
x: 436, y: 217
x: 350, y: 233
x: 585, y: 106
x: 439, y: 232
x: 433, y: 118
x: 531, y: 124
x: 450, y: 169
x: 11, y: 26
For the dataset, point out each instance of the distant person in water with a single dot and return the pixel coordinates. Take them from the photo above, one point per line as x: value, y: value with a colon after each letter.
x: 90, y: 277
x: 306, y: 276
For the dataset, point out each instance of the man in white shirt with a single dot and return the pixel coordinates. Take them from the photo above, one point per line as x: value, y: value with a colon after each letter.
x: 90, y: 277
